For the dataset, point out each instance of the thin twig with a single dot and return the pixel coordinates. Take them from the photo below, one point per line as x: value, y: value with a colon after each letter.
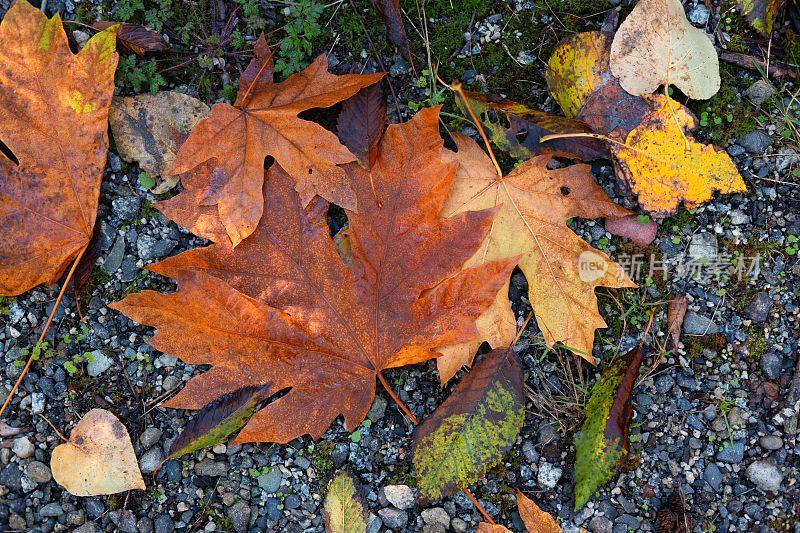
x: 456, y: 87
x: 44, y: 331
x: 62, y: 437
x: 403, y: 407
x: 478, y: 506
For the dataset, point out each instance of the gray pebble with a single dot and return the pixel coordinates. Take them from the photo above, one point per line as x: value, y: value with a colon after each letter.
x: 393, y: 518
x: 765, y: 475
x: 771, y: 442
x: 38, y: 472
x: 771, y: 364
x: 756, y: 142
x: 731, y: 454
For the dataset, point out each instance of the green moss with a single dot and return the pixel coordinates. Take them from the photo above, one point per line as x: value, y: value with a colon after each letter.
x: 595, y: 456
x: 725, y: 116
x: 465, y: 445
x: 756, y: 343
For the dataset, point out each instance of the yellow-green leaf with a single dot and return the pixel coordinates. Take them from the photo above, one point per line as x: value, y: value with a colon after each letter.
x: 577, y: 67
x: 344, y: 511
x: 603, y: 439
x: 473, y: 429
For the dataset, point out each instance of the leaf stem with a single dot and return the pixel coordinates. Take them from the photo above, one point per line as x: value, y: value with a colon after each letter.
x: 44, y: 331
x: 456, y: 87
x: 403, y: 407
x: 478, y: 506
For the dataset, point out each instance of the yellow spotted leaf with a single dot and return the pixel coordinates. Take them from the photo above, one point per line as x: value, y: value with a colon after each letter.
x: 344, y: 510
x: 664, y: 165
x: 656, y: 45
x: 562, y: 269
x: 577, y: 68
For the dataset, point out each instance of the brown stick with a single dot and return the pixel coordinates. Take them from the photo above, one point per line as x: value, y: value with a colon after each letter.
x: 44, y: 331
x: 753, y: 63
x: 403, y: 407
x: 478, y: 506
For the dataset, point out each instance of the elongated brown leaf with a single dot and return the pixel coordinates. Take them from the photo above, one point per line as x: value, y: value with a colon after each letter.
x: 676, y: 311
x: 535, y: 520
x: 516, y: 129
x: 361, y: 123
x: 603, y: 440
x: 218, y: 419
x: 473, y: 429
x: 136, y: 38
x: 393, y: 18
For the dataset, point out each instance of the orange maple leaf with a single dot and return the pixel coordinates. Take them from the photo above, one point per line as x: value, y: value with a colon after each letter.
x: 235, y: 141
x: 283, y: 307
x: 53, y: 120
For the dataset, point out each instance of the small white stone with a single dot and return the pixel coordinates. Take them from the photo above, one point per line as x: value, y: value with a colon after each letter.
x: 401, y: 496
x: 548, y: 475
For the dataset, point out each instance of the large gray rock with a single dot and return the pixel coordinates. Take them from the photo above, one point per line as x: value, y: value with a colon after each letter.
x: 758, y: 310
x: 694, y: 324
x: 765, y: 475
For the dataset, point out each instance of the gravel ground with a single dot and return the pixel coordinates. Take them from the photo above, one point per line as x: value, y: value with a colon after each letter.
x: 709, y: 420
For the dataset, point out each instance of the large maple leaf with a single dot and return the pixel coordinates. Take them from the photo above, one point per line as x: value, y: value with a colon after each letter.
x: 283, y: 307
x: 53, y: 119
x: 237, y: 139
x: 562, y: 269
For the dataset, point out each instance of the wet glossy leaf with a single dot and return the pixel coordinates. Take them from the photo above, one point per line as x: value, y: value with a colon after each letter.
x: 98, y: 458
x: 229, y: 149
x: 283, y: 307
x: 344, y: 509
x: 473, y: 429
x: 136, y: 38
x: 53, y: 119
x: 603, y: 439
x: 219, y: 419
x: 664, y: 165
x: 361, y: 122
x: 656, y: 45
x: 149, y: 128
x: 516, y: 129
x: 562, y: 269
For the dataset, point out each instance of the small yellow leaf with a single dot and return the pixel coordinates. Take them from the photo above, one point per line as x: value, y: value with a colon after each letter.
x: 577, y: 67
x: 98, y: 458
x: 664, y: 165
x: 344, y: 512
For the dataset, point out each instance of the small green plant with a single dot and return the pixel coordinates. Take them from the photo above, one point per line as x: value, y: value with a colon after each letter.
x: 303, y: 28
x: 139, y: 77
x: 145, y: 181
x: 792, y: 245
x: 433, y: 94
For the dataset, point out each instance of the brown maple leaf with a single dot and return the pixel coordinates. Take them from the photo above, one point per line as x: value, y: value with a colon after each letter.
x: 53, y: 120
x: 237, y: 139
x: 283, y: 307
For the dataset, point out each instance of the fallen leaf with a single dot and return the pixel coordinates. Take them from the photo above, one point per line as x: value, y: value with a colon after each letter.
x: 612, y: 111
x: 344, y: 509
x: 656, y: 45
x: 473, y: 429
x: 676, y: 311
x: 53, y: 114
x: 393, y: 18
x: 534, y: 205
x: 603, y: 439
x: 149, y: 128
x: 136, y: 38
x: 672, y: 517
x: 516, y: 129
x: 263, y: 122
x: 485, y: 527
x: 98, y: 458
x: 577, y: 67
x: 361, y: 123
x: 535, y: 520
x: 631, y: 227
x: 664, y: 165
x: 760, y: 13
x: 283, y: 307
x: 218, y: 419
